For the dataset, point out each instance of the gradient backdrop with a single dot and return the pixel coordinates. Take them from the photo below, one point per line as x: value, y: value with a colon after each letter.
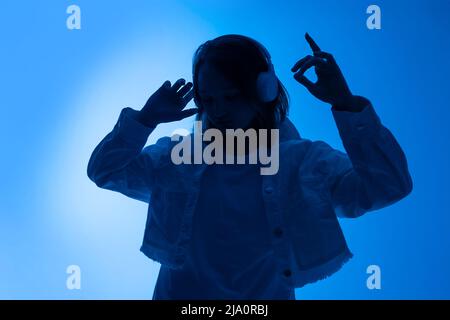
x: 62, y: 91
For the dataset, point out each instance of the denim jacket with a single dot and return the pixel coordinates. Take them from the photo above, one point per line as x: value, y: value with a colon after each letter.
x: 314, y: 186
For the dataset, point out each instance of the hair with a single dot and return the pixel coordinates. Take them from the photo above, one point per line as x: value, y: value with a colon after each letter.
x: 240, y: 62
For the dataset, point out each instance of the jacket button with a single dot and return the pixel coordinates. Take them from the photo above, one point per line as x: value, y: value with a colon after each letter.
x: 287, y: 273
x: 268, y: 189
x: 278, y: 232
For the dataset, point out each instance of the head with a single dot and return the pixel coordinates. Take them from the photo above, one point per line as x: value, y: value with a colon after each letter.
x: 225, y: 72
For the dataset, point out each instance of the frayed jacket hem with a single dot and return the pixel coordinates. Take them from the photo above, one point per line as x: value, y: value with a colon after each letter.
x: 321, y: 272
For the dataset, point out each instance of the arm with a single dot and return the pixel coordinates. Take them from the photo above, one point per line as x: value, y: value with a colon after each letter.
x: 119, y: 163
x: 374, y: 172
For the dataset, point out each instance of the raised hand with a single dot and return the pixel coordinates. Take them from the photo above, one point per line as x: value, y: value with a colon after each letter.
x: 330, y: 86
x: 167, y: 104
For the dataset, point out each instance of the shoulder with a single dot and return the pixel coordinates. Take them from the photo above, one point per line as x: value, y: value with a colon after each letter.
x: 160, y: 151
x: 302, y: 147
x: 308, y: 154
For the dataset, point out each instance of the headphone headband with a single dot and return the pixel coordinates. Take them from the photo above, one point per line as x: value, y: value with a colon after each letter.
x: 261, y: 49
x: 267, y: 81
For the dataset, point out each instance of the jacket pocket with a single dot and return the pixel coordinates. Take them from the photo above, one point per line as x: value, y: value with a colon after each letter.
x: 174, y: 204
x: 314, y: 191
x: 165, y: 216
x: 310, y: 219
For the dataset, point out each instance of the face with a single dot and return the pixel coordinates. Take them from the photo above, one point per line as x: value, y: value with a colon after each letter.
x: 223, y: 103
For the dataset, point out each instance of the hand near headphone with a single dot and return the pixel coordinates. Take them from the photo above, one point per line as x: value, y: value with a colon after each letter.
x: 330, y: 86
x: 167, y: 104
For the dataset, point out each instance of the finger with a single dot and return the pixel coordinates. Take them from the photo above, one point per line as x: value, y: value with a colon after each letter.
x: 310, y: 63
x: 300, y: 62
x: 188, y: 97
x: 304, y: 81
x: 177, y: 85
x: 187, y: 113
x: 312, y: 43
x: 166, y: 84
x: 185, y: 89
x: 325, y: 55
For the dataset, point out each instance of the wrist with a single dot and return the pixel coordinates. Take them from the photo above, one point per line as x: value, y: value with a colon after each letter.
x: 351, y: 103
x: 145, y: 120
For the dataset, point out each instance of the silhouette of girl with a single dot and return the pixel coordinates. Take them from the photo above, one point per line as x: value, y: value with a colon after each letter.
x: 225, y: 231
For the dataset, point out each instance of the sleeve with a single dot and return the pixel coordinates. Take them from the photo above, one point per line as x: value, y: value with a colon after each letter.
x: 371, y: 175
x: 119, y: 162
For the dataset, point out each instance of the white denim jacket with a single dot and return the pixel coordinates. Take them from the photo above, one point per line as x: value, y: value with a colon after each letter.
x: 315, y: 184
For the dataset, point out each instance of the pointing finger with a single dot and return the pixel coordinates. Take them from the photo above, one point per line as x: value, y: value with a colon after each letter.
x: 312, y: 43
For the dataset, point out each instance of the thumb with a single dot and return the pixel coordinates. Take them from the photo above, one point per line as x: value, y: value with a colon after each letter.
x: 308, y: 84
x: 188, y: 112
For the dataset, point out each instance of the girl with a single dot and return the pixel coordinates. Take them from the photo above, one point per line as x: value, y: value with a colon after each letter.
x: 224, y: 231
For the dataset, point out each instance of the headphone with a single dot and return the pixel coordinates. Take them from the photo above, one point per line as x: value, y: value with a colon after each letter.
x: 266, y: 81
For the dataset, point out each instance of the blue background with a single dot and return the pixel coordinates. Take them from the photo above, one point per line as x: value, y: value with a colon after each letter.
x: 62, y: 91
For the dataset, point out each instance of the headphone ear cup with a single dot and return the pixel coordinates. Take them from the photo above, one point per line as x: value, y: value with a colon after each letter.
x: 196, y: 102
x: 267, y: 85
x: 205, y: 121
